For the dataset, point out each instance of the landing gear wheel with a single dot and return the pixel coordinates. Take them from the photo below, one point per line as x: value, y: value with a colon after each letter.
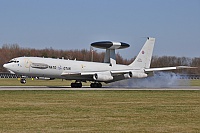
x: 95, y: 85
x: 99, y: 85
x: 76, y: 85
x: 23, y: 81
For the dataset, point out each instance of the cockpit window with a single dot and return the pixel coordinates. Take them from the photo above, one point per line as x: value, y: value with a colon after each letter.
x: 13, y: 61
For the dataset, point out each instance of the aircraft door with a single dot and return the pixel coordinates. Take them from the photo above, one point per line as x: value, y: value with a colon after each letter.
x: 27, y: 64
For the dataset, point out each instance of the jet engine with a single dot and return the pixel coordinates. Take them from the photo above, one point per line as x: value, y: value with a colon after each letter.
x: 128, y: 75
x: 135, y: 75
x: 102, y: 77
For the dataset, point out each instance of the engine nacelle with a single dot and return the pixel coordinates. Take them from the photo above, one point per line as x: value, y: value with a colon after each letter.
x: 139, y: 75
x: 128, y: 75
x: 102, y: 77
x: 135, y: 75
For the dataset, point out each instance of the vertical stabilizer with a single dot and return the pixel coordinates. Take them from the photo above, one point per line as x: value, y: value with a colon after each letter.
x: 143, y: 59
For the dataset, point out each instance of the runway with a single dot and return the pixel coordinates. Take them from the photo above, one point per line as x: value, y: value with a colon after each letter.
x: 88, y: 88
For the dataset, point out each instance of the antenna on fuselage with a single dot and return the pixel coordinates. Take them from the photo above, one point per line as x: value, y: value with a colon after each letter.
x: 110, y: 56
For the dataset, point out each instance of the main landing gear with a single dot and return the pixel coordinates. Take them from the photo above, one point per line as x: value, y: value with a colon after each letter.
x: 95, y: 85
x: 76, y: 85
x: 92, y: 85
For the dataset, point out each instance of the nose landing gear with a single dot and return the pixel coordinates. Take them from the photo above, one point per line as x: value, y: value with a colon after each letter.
x: 23, y: 81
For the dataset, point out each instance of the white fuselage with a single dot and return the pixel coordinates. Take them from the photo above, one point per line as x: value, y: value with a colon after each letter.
x: 54, y: 68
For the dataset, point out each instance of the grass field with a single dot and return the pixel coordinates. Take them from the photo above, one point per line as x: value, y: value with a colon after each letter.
x: 59, y: 82
x: 100, y: 111
x: 195, y: 82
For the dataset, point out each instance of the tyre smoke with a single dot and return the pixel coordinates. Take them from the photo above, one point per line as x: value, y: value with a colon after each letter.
x: 159, y: 80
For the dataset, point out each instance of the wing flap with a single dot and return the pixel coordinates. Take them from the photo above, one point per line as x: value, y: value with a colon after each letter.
x: 70, y: 73
x: 77, y: 73
x: 120, y: 71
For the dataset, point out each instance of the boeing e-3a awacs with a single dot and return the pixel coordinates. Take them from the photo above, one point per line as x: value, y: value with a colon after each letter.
x: 82, y: 71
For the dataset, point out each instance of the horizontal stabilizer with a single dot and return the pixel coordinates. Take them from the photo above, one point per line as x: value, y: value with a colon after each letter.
x: 168, y: 68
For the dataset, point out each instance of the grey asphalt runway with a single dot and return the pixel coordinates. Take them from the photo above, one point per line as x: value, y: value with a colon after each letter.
x: 88, y: 88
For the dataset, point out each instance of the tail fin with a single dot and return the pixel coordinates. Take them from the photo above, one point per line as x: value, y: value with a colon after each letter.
x: 143, y: 59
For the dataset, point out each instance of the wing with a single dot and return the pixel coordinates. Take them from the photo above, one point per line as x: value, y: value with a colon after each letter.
x: 115, y: 75
x: 117, y: 72
x: 102, y: 76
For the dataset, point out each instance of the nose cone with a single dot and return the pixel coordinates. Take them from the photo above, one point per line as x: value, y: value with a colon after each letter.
x: 5, y: 65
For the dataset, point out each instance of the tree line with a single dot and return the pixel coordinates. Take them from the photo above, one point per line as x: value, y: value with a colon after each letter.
x: 9, y: 51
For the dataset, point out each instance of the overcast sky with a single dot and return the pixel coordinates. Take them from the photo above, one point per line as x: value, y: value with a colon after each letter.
x: 75, y: 24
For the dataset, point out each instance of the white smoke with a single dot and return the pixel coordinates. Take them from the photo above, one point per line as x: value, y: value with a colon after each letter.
x: 159, y: 80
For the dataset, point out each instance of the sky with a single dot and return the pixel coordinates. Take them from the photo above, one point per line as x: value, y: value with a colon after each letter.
x: 75, y: 24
